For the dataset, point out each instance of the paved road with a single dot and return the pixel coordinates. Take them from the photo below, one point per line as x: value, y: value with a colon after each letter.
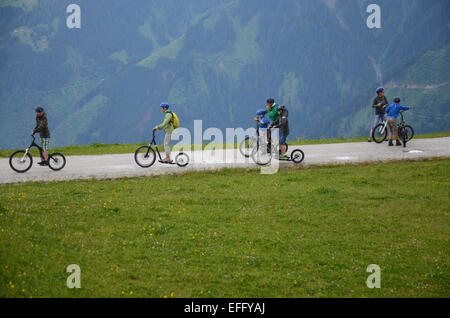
x: 123, y: 165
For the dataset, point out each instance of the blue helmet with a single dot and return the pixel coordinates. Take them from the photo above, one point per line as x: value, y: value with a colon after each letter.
x: 270, y: 101
x: 260, y: 112
x: 39, y: 109
x: 379, y: 90
x: 397, y: 100
x: 164, y: 105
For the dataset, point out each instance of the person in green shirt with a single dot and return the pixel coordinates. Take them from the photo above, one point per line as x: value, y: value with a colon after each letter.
x: 272, y: 114
x: 272, y: 109
x: 167, y: 125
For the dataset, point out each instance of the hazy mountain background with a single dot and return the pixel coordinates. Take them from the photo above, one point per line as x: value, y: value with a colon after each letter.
x: 218, y: 60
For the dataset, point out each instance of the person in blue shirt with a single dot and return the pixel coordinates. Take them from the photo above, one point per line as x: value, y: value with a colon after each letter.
x: 392, y: 112
x: 263, y: 124
x: 261, y: 119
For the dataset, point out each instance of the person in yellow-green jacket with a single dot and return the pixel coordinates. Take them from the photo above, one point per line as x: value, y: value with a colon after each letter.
x: 167, y: 125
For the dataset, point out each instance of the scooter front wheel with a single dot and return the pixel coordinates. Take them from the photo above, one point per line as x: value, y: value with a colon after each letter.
x: 246, y: 146
x: 20, y: 161
x: 379, y: 133
x: 261, y: 156
x: 145, y: 156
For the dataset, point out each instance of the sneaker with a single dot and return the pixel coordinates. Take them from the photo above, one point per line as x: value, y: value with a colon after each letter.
x: 369, y: 140
x: 42, y: 163
x: 398, y: 143
x: 390, y: 143
x: 166, y: 160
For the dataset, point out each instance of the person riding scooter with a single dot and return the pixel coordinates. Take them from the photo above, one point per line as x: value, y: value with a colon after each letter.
x: 282, y: 122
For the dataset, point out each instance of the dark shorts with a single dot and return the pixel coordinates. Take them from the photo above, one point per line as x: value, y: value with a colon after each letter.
x: 283, y: 138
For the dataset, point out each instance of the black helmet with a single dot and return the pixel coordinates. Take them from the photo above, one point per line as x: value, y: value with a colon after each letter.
x: 397, y: 100
x: 270, y: 101
x: 39, y: 109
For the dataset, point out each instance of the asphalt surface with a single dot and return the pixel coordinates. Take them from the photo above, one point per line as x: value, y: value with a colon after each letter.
x: 123, y: 165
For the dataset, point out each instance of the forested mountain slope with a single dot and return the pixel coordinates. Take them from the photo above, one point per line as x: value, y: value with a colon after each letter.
x: 218, y: 60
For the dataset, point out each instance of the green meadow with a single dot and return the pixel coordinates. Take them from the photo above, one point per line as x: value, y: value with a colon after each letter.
x: 232, y: 233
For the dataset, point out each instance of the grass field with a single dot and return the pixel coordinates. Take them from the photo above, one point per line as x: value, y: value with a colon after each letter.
x: 103, y: 149
x: 232, y: 233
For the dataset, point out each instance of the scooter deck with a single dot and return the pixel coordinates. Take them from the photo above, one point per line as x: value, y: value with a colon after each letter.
x: 167, y: 163
x: 283, y: 159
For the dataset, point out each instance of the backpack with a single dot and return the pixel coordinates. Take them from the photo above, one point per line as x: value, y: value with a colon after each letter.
x: 175, y: 120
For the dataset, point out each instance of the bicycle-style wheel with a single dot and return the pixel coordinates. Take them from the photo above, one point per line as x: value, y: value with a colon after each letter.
x: 145, y: 156
x: 297, y: 156
x: 56, y: 161
x: 261, y: 156
x: 246, y: 146
x: 20, y: 161
x: 409, y: 132
x: 379, y: 133
x: 182, y: 159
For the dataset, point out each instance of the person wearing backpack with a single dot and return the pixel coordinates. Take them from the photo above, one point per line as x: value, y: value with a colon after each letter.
x: 169, y: 124
x: 282, y: 123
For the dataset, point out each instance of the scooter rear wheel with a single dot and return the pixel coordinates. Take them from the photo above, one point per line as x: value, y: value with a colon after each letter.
x: 297, y: 156
x: 182, y: 159
x: 56, y: 161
